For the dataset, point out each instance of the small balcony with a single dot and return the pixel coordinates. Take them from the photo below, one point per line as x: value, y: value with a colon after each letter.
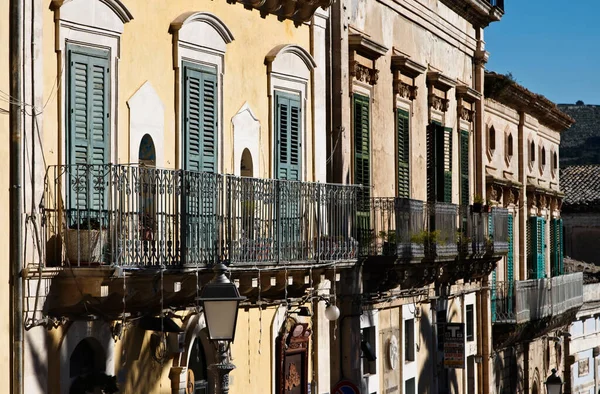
x: 482, y: 233
x: 536, y: 299
x: 141, y: 217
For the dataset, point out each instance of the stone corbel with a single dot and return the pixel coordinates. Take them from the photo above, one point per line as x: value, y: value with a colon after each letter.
x: 437, y: 80
x: 466, y: 95
x: 403, y: 65
x: 361, y: 45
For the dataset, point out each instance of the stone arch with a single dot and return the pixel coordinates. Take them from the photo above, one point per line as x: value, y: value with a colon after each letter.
x: 246, y: 164
x: 116, y: 7
x: 291, y: 49
x: 181, y: 26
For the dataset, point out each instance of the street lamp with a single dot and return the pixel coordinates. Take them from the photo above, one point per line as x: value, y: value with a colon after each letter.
x: 554, y: 383
x: 220, y: 300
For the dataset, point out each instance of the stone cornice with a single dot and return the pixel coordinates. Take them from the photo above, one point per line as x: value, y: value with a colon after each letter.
x: 407, y: 66
x: 467, y: 94
x: 364, y: 46
x: 440, y: 81
x: 478, y: 12
x: 299, y: 11
x: 115, y: 5
x: 505, y: 91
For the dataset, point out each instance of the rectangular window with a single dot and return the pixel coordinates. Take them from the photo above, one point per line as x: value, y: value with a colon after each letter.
x: 403, y: 135
x: 362, y: 145
x: 439, y: 163
x: 537, y: 247
x: 369, y: 350
x: 409, y: 340
x: 470, y: 323
x: 464, y: 167
x: 200, y: 118
x: 409, y: 386
x: 88, y: 130
x: 288, y: 126
x: 556, y: 247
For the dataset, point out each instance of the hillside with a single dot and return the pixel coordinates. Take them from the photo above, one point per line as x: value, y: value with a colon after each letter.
x: 581, y: 143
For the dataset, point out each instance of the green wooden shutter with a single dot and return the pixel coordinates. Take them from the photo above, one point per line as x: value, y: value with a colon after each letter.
x: 289, y: 133
x: 447, y: 165
x: 200, y: 118
x: 403, y: 135
x: 362, y: 147
x: 88, y: 133
x: 537, y: 247
x: 556, y: 247
x: 494, y: 297
x: 464, y: 167
x: 510, y: 256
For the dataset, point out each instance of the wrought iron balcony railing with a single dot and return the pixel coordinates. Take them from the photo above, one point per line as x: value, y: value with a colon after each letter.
x: 407, y: 229
x: 535, y: 299
x: 138, y: 216
x: 482, y: 233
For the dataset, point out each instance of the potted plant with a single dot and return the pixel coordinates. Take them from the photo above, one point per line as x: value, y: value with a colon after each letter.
x: 86, y: 242
x: 389, y: 242
x: 463, y: 242
x: 477, y: 203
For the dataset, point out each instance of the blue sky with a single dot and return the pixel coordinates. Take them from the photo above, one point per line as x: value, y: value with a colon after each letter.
x: 551, y: 47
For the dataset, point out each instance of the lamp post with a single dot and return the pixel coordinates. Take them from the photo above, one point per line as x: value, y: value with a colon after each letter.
x: 220, y: 300
x: 554, y: 383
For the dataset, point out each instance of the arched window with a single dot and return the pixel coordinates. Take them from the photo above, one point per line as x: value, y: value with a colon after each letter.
x: 543, y: 158
x: 532, y: 152
x: 492, y: 139
x: 246, y: 165
x: 88, y: 357
x: 147, y: 152
x: 509, y: 146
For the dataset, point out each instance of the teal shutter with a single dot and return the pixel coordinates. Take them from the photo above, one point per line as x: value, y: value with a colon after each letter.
x: 464, y: 167
x: 288, y: 131
x: 403, y: 135
x: 494, y: 296
x: 199, y: 200
x: 537, y: 247
x: 447, y: 165
x: 556, y: 247
x: 200, y: 118
x: 510, y: 256
x: 88, y: 130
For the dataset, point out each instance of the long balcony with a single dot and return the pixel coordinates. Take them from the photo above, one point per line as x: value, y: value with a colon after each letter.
x: 141, y: 217
x: 536, y: 299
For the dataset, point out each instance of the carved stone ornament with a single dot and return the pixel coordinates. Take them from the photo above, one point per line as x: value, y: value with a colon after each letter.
x: 405, y: 90
x: 467, y: 114
x: 438, y: 103
x: 293, y: 378
x: 393, y: 352
x: 364, y: 73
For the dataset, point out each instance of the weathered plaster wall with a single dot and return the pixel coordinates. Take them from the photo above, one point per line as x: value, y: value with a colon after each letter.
x: 4, y: 187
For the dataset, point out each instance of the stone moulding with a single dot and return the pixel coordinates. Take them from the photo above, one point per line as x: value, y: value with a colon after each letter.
x: 465, y: 94
x: 359, y: 44
x: 437, y: 80
x: 299, y: 11
x: 115, y: 5
x: 403, y: 65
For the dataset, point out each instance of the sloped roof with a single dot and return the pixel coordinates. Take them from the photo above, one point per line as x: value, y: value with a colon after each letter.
x: 581, y: 185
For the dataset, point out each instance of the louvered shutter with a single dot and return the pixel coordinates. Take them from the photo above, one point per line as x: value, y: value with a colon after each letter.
x: 200, y: 119
x: 362, y: 148
x: 537, y: 247
x: 490, y: 231
x: 464, y: 167
x: 561, y: 261
x: 510, y: 270
x: 447, y: 165
x: 200, y: 115
x: 288, y: 129
x: 541, y: 247
x: 403, y: 135
x: 88, y: 133
x: 556, y: 247
x: 431, y: 163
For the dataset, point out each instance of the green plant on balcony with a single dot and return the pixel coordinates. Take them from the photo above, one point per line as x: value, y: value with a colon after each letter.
x: 489, y: 243
x: 86, y: 241
x: 477, y: 203
x: 463, y: 242
x: 389, y: 240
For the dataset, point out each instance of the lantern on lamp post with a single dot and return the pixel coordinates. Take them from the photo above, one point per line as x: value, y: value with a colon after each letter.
x: 554, y: 383
x: 220, y: 301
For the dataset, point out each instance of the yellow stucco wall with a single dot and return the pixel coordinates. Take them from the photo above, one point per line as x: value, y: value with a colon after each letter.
x: 146, y: 55
x: 4, y: 187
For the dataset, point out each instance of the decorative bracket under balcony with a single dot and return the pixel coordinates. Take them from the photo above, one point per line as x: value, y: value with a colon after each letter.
x: 541, y: 198
x: 299, y: 11
x: 405, y: 71
x: 466, y: 99
x: 503, y: 191
x: 364, y: 52
x: 438, y: 85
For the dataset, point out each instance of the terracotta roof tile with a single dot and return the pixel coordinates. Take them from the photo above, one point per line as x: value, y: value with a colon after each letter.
x: 581, y: 185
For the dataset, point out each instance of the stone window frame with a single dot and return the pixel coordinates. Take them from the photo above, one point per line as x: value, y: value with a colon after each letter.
x: 289, y: 70
x: 509, y: 146
x: 554, y: 162
x: 531, y: 150
x: 90, y: 24
x: 542, y: 154
x: 199, y: 38
x: 491, y: 141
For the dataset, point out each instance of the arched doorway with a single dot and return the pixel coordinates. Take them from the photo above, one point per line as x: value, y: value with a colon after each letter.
x: 534, y: 388
x: 147, y: 178
x: 197, y: 369
x: 87, y: 369
x: 247, y: 170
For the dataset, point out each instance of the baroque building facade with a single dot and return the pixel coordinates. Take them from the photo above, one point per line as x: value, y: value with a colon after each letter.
x: 353, y: 153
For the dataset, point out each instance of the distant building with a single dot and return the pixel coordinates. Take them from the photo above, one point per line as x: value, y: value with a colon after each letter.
x: 581, y: 212
x: 581, y: 145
